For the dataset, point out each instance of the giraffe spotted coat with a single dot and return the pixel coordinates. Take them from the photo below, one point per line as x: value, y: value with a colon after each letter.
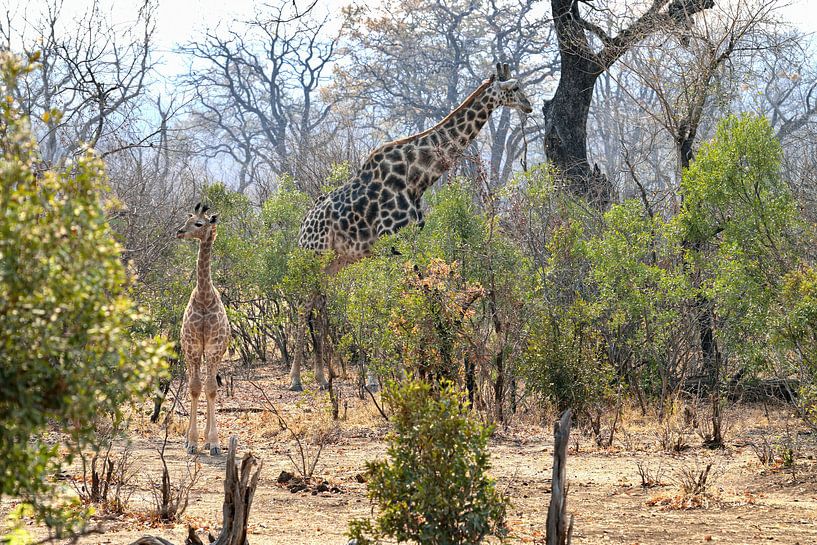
x: 385, y: 194
x: 205, y: 330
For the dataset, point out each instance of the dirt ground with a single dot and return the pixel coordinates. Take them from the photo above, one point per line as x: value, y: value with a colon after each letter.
x: 746, y: 502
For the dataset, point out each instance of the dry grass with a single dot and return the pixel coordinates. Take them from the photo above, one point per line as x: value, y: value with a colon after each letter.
x: 606, y: 483
x: 694, y: 488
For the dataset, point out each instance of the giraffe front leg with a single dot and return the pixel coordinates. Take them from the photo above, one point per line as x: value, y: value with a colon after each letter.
x: 211, y: 391
x: 372, y: 382
x: 421, y: 219
x: 320, y: 377
x: 193, y: 362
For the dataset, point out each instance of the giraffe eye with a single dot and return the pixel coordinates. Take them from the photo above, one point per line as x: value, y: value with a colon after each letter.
x: 199, y: 224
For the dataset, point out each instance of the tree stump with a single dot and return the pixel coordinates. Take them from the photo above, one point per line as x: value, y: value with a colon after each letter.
x: 240, y: 483
x: 559, y: 529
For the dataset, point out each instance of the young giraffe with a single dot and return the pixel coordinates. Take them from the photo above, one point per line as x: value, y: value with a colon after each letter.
x: 205, y: 330
x: 385, y: 194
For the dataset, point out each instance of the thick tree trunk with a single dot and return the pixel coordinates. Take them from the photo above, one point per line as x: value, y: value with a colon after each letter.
x: 566, y: 113
x: 566, y: 133
x: 470, y: 379
x: 499, y: 386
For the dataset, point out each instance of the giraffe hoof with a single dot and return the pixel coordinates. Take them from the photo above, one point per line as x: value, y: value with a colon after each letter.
x: 324, y: 387
x: 215, y: 451
x: 373, y: 388
x: 192, y: 449
x: 296, y: 387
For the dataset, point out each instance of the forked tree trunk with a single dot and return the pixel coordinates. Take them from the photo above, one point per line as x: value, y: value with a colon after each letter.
x: 565, y: 115
x: 239, y: 488
x: 559, y: 526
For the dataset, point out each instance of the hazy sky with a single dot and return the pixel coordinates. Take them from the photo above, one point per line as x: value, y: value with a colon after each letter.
x: 180, y: 21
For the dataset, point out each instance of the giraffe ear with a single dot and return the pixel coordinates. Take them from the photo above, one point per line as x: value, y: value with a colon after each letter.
x: 213, y: 218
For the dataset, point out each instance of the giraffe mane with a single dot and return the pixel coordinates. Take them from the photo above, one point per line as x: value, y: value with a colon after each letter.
x: 464, y: 104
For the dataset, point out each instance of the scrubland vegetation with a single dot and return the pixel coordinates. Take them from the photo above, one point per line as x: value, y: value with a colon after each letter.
x: 649, y: 265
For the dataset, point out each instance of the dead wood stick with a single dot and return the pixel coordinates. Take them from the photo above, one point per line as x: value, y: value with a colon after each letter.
x: 559, y: 529
x: 240, y: 483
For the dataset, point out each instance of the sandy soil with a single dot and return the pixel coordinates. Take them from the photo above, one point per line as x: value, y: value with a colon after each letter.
x: 747, y: 502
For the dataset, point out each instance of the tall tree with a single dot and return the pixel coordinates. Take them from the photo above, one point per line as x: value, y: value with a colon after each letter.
x: 587, y: 51
x: 92, y: 81
x: 70, y: 349
x: 257, y: 88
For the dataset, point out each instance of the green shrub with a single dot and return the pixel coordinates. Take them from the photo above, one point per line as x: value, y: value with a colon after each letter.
x: 566, y: 363
x: 66, y: 344
x: 433, y: 489
x: 796, y: 337
x: 742, y: 218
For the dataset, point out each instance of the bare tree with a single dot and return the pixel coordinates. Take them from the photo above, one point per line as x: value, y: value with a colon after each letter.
x: 153, y: 184
x: 257, y: 87
x: 91, y: 79
x: 697, y: 70
x: 587, y: 50
x: 410, y: 64
x: 787, y: 76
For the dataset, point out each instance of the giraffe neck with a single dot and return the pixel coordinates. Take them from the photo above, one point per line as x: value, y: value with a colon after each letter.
x: 204, y: 282
x: 457, y: 131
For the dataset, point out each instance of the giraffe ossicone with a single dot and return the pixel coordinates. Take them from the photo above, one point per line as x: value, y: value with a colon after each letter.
x: 385, y: 194
x: 205, y: 330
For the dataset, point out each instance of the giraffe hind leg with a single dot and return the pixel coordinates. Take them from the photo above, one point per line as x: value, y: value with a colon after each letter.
x: 318, y: 331
x: 297, y: 357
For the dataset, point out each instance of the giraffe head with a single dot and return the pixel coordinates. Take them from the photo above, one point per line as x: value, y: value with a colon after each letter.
x: 199, y: 225
x: 509, y: 90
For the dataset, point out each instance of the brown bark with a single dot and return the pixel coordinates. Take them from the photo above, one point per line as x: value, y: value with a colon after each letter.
x: 559, y: 526
x: 566, y: 113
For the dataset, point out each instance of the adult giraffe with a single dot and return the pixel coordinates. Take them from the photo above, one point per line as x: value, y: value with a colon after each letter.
x: 384, y: 195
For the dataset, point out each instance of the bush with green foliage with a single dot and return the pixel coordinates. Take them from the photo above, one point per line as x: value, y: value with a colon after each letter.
x: 362, y: 299
x: 433, y: 489
x: 451, y: 304
x: 742, y: 218
x: 565, y: 361
x: 431, y: 324
x: 795, y: 335
x: 623, y: 289
x: 640, y: 290
x: 66, y: 321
